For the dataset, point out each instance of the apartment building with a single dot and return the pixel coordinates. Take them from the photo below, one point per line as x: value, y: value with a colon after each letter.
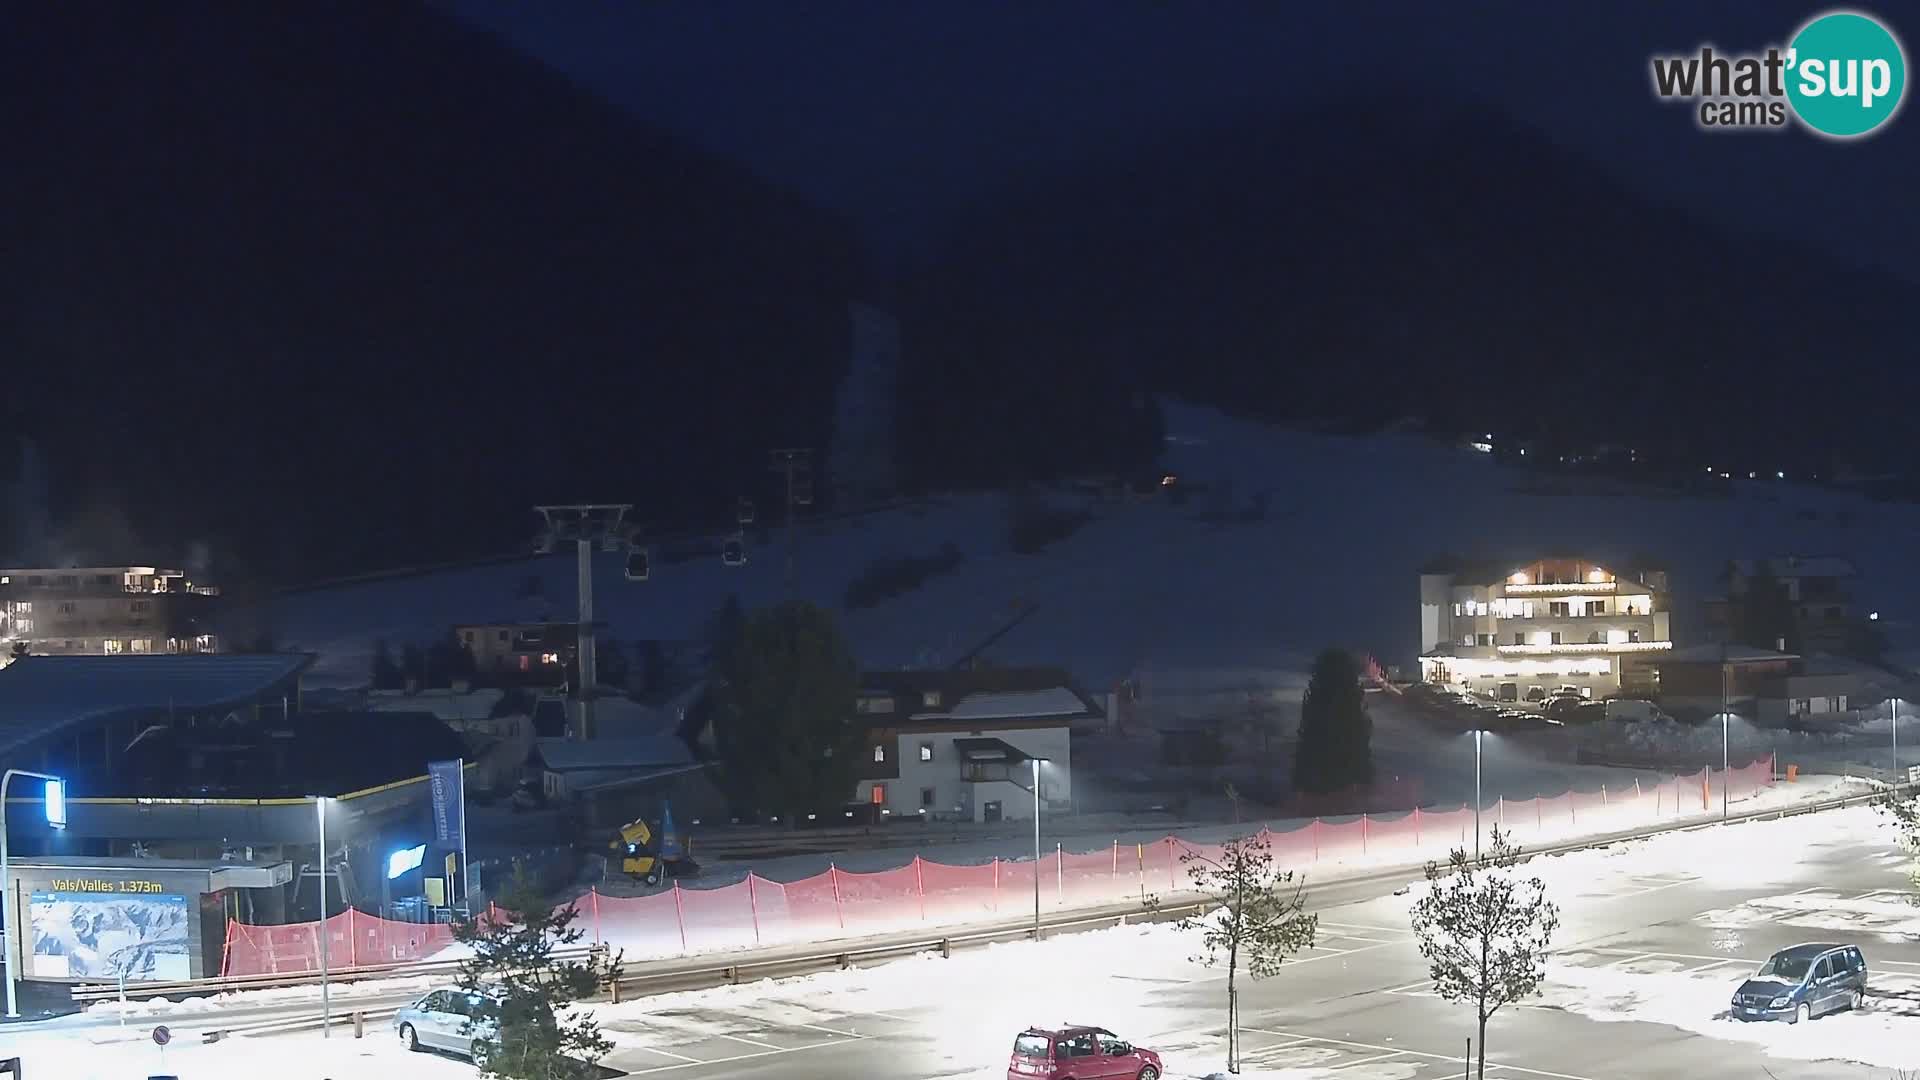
x: 960, y: 745
x: 105, y: 611
x: 1819, y: 592
x: 1507, y: 630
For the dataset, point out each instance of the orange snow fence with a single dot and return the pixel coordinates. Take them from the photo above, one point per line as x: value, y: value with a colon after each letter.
x: 843, y: 903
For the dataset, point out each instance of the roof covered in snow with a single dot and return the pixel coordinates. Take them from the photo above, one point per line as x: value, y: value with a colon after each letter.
x: 40, y: 695
x: 1723, y: 654
x: 640, y: 752
x: 978, y: 695
x: 1800, y: 566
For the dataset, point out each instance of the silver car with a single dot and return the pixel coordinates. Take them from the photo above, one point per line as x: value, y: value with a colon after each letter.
x: 444, y: 1020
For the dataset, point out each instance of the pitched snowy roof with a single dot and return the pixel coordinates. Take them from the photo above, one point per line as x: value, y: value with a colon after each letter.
x: 1800, y: 566
x: 1723, y: 654
x: 639, y: 752
x: 40, y: 695
x: 979, y: 694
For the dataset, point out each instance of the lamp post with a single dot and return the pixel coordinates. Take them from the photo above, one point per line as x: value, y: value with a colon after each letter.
x: 1897, y: 773
x: 1727, y: 775
x: 1036, y: 849
x: 1476, y: 794
x: 1727, y: 723
x: 56, y: 802
x: 326, y: 1002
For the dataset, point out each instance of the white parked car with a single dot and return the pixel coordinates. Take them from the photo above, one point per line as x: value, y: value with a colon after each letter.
x: 444, y: 1020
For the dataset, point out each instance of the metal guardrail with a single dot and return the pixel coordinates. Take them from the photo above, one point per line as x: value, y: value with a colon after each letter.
x: 748, y: 966
x: 744, y: 971
x: 747, y: 970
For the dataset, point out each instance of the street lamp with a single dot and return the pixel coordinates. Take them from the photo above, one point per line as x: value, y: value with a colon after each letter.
x: 1036, y: 847
x: 326, y: 1002
x: 56, y: 803
x: 1896, y: 744
x: 1727, y: 773
x: 1476, y: 794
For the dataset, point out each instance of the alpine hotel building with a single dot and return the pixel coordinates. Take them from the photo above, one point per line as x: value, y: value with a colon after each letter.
x: 1503, y: 630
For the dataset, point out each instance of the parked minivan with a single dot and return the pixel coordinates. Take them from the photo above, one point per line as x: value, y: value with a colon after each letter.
x: 1803, y: 982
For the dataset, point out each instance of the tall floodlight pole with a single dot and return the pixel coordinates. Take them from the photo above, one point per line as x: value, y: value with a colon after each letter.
x: 1897, y: 773
x: 1478, y: 798
x: 1727, y: 725
x: 1036, y: 849
x: 787, y: 462
x: 14, y: 936
x: 586, y: 525
x: 326, y: 1001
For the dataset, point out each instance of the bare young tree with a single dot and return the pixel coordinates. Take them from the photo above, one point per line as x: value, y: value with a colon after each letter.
x: 1259, y: 922
x: 1484, y: 931
x: 1904, y: 809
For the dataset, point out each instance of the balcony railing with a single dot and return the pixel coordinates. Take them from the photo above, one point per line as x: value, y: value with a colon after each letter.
x: 1555, y: 587
x: 1584, y: 647
x: 1635, y: 617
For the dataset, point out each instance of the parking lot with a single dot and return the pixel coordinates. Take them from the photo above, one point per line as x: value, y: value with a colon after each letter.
x: 1638, y: 986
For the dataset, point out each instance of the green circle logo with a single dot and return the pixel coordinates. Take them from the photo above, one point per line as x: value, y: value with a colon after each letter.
x: 1846, y: 74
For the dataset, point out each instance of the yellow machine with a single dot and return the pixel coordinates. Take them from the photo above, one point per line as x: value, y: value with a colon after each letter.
x: 651, y: 856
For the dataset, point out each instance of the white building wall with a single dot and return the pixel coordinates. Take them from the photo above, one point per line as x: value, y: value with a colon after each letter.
x: 954, y: 796
x: 1436, y: 610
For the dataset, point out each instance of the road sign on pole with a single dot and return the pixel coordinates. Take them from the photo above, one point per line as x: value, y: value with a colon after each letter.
x: 161, y: 1036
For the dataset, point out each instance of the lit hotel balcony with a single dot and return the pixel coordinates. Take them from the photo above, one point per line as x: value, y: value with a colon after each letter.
x: 1583, y: 647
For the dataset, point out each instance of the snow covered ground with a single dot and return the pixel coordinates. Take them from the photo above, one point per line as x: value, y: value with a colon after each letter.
x: 1167, y: 592
x: 1144, y: 982
x: 286, y: 1057
x: 1884, y: 1033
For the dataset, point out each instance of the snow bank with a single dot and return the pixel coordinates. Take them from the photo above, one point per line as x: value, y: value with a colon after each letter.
x: 251, y: 999
x: 1884, y: 1037
x: 287, y: 1057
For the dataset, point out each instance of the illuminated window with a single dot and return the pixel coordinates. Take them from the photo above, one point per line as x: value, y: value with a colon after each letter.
x: 930, y: 699
x: 111, y: 646
x: 141, y: 645
x: 926, y: 751
x: 880, y: 754
x: 879, y: 794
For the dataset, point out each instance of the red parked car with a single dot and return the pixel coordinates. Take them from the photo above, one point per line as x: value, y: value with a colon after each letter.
x: 1079, y: 1053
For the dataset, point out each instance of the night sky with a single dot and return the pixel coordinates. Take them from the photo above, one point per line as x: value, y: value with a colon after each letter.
x: 896, y: 113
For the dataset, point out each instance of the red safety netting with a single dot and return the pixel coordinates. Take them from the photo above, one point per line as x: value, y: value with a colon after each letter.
x: 841, y: 903
x: 353, y: 940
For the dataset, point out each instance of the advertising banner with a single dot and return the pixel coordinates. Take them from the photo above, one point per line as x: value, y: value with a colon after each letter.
x: 449, y: 801
x: 93, y: 935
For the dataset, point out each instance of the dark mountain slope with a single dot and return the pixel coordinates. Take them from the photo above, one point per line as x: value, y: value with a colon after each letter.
x: 353, y: 285
x: 1347, y: 265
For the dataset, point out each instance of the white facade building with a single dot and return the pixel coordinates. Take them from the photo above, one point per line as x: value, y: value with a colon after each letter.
x: 961, y: 745
x: 1508, y: 630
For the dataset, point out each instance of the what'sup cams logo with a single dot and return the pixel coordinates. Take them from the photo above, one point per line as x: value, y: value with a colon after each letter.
x: 1842, y: 76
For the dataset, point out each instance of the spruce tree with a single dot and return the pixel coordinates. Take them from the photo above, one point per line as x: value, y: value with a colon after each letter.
x: 1335, y: 750
x: 527, y: 1027
x: 784, y: 710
